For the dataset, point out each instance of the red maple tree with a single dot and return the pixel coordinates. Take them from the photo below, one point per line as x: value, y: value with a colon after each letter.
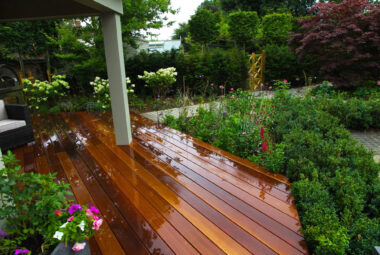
x: 344, y: 38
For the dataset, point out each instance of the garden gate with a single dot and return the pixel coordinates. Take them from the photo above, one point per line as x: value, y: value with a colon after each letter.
x: 256, y: 71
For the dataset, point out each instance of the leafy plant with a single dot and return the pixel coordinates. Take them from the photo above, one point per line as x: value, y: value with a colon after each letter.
x: 27, y: 201
x: 44, y: 92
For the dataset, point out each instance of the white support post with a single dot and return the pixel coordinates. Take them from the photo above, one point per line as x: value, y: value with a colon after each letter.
x: 116, y: 74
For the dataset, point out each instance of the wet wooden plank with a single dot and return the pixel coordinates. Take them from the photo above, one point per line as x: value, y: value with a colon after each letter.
x: 91, y: 174
x: 230, y: 212
x: 176, y: 242
x: 251, y: 166
x: 105, y: 238
x: 241, y: 219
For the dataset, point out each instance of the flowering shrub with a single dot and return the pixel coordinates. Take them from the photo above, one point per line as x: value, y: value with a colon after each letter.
x: 45, y: 92
x: 79, y: 223
x: 102, y: 91
x: 160, y: 81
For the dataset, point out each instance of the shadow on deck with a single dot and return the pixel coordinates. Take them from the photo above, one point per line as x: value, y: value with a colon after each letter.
x: 166, y: 193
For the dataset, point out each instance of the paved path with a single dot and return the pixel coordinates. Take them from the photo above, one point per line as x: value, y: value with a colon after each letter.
x: 371, y: 140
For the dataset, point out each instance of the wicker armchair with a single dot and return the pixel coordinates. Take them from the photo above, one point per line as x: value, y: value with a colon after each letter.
x: 15, y: 126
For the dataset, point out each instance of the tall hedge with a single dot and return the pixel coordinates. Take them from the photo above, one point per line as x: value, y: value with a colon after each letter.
x: 243, y: 26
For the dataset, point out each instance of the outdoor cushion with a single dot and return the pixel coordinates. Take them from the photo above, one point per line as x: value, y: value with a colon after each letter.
x: 6, y: 125
x: 3, y: 111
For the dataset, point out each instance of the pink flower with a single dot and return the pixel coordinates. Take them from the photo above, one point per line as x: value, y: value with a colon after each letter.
x: 97, y: 223
x: 221, y: 87
x: 378, y: 83
x: 270, y: 87
x: 79, y: 246
x: 58, y: 213
x: 251, y: 74
x: 298, y: 78
x: 244, y: 133
x: 232, y: 89
x: 70, y: 219
x: 265, y: 146
x: 286, y: 81
x: 224, y: 112
x: 91, y: 215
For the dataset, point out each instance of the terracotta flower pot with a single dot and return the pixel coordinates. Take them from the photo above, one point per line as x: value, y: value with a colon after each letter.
x: 61, y: 249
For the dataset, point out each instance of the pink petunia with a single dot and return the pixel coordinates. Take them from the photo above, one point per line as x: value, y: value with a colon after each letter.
x: 70, y: 219
x: 97, y: 223
x: 79, y: 246
x: 94, y: 209
x: 91, y: 215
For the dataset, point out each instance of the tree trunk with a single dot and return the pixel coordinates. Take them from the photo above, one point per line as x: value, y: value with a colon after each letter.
x: 22, y: 66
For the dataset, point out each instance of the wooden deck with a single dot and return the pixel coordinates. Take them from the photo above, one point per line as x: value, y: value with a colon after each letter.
x: 166, y: 193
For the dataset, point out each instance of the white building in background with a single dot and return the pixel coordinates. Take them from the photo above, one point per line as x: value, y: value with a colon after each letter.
x: 152, y: 46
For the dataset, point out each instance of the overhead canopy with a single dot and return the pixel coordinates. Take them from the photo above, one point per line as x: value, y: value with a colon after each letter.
x: 16, y: 10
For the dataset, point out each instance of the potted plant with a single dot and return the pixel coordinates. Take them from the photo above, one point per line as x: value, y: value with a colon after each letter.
x: 78, y: 225
x: 31, y: 224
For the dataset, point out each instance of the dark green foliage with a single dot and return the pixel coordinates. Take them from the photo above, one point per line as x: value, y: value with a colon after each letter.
x: 281, y: 63
x: 243, y: 26
x: 354, y: 113
x: 321, y: 228
x: 214, y: 67
x: 318, y: 149
x: 203, y: 26
x: 277, y: 28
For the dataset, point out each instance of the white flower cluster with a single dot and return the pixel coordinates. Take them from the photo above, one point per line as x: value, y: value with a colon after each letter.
x: 160, y: 81
x: 43, y: 91
x: 101, y: 90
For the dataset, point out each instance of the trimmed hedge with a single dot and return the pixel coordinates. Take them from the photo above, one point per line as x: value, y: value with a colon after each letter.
x: 277, y: 28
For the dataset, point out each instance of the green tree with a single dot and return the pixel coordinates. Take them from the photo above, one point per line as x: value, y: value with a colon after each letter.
x: 243, y: 26
x: 262, y: 7
x: 203, y: 26
x: 140, y: 16
x: 212, y: 5
x: 27, y: 39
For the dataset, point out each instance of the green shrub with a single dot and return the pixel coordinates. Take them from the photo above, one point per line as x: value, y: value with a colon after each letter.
x: 277, y: 28
x: 321, y: 227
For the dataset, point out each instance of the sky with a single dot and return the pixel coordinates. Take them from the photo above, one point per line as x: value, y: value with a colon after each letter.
x: 187, y: 8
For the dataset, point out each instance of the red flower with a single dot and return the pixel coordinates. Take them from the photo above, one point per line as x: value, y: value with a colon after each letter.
x: 270, y: 151
x: 58, y: 213
x: 265, y: 146
x: 262, y: 133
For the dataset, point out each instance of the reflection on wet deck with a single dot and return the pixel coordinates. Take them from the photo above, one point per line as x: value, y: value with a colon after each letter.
x: 166, y: 193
